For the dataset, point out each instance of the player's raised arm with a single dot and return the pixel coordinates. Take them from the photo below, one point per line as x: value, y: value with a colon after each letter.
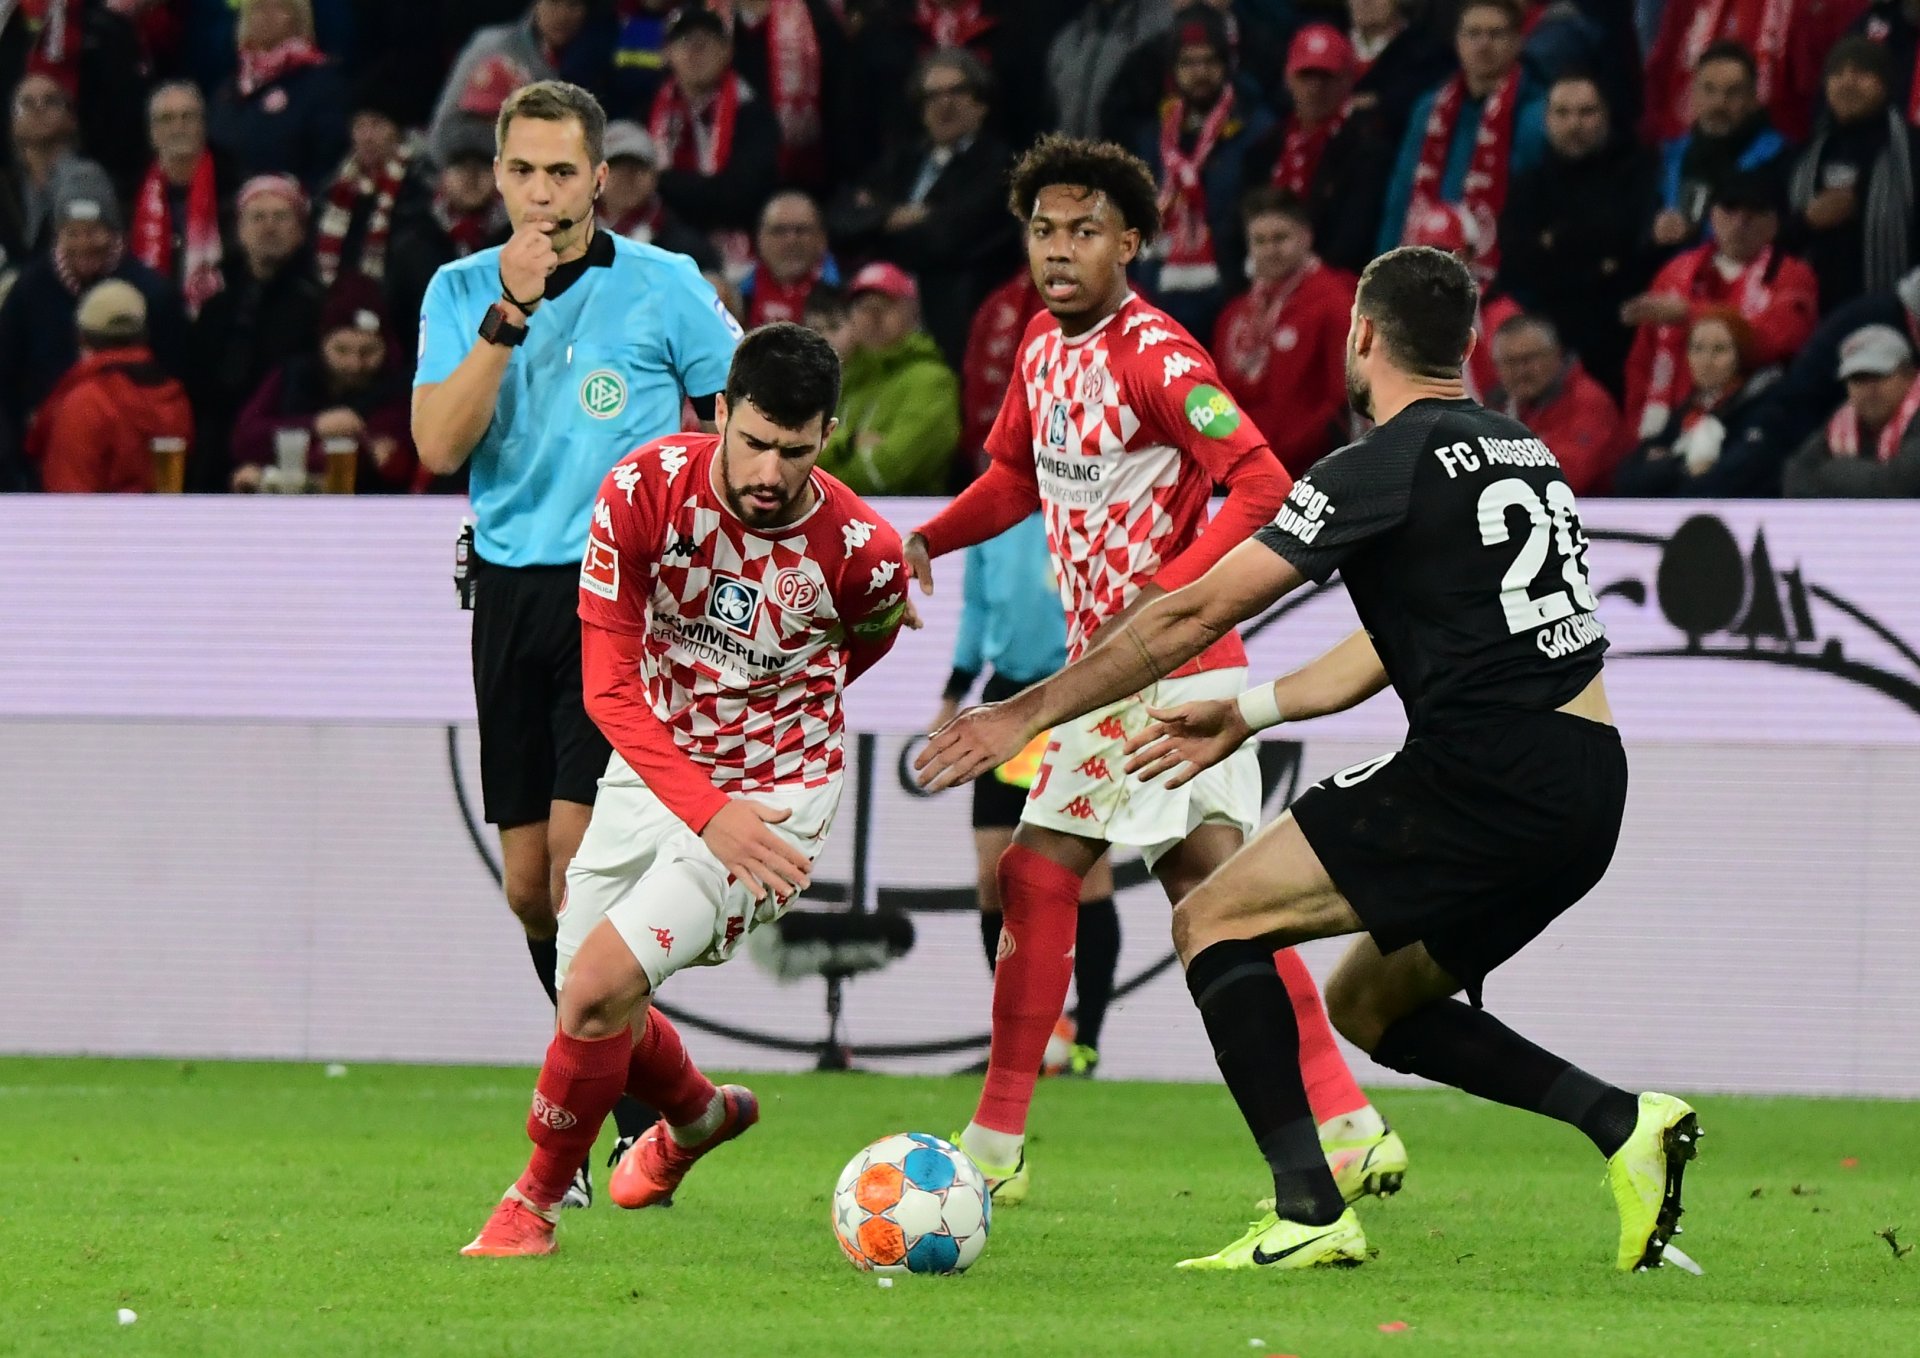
x: 1161, y: 638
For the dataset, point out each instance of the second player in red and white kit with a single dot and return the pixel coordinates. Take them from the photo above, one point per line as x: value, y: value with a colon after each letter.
x: 729, y: 593
x: 1116, y: 426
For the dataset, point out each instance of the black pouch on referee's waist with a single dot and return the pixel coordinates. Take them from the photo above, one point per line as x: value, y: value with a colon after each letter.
x: 463, y: 581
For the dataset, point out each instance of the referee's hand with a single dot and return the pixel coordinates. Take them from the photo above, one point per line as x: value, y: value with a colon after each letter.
x: 525, y: 262
x: 757, y: 858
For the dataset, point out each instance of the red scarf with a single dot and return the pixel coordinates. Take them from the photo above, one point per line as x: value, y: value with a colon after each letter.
x: 1485, y: 189
x: 672, y: 124
x: 153, y: 232
x: 260, y: 69
x: 1183, y: 197
x: 1300, y: 153
x: 1751, y: 293
x: 793, y: 75
x: 1843, y: 430
x: 1759, y: 25
x: 642, y: 224
x: 349, y: 186
x: 1249, y: 337
x: 955, y: 25
x: 56, y: 49
x: 471, y: 231
x: 773, y: 300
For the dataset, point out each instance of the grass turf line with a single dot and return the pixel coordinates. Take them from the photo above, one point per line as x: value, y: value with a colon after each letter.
x: 244, y: 1208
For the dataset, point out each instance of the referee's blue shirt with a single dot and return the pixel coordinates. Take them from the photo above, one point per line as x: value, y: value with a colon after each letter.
x: 604, y: 369
x: 1012, y: 620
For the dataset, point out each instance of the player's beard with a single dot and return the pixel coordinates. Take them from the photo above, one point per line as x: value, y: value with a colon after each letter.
x: 1359, y: 390
x: 752, y: 515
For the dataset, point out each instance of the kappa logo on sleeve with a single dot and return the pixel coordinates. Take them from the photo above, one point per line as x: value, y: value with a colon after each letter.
x: 625, y: 477
x: 672, y: 458
x: 855, y: 534
x: 882, y: 573
x: 1179, y: 365
x: 600, y: 570
x: 603, y: 519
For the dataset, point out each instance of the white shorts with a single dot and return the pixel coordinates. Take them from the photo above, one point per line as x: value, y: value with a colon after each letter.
x: 1082, y: 790
x: 664, y: 891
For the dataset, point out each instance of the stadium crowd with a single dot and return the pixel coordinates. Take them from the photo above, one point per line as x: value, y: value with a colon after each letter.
x: 1694, y: 221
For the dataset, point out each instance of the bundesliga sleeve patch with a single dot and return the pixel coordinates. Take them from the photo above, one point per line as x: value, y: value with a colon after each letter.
x: 1211, y: 412
x: 600, y: 570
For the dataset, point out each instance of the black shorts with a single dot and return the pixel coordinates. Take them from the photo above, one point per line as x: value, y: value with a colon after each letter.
x: 1474, y: 841
x: 997, y: 804
x: 537, y: 743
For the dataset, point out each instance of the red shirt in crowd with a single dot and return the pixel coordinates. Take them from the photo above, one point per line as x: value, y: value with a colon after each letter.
x: 102, y: 424
x: 1282, y: 349
x: 987, y: 366
x: 1789, y: 40
x: 1581, y: 426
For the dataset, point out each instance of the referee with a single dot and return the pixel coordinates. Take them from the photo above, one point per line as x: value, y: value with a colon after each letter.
x: 546, y: 361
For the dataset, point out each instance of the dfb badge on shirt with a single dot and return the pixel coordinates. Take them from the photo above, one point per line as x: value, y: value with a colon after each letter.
x: 732, y: 603
x: 1057, y: 426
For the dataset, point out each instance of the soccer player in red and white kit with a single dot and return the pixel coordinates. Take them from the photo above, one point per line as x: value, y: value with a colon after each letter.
x: 729, y: 594
x: 1115, y: 424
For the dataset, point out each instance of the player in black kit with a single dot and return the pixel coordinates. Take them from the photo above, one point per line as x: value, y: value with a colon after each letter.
x: 1460, y: 546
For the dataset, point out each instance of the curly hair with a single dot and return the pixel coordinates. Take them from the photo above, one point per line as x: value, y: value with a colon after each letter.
x: 1097, y: 166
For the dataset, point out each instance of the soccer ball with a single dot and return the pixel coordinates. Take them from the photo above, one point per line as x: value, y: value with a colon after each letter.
x: 911, y: 1203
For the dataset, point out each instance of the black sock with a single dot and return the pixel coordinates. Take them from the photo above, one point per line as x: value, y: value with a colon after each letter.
x: 632, y: 1117
x: 1472, y: 1050
x: 546, y: 960
x: 1096, y: 956
x: 1249, y: 1019
x: 990, y: 936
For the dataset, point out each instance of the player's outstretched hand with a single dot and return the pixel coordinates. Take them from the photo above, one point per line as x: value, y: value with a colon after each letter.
x: 525, y: 262
x: 1187, y: 740
x: 919, y: 563
x: 759, y: 859
x: 979, y: 739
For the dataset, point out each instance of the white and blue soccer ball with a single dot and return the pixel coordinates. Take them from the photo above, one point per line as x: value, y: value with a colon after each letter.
x: 911, y: 1203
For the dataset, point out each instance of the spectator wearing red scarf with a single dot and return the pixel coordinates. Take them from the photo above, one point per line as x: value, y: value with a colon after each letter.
x: 791, y: 259
x: 1198, y: 152
x: 630, y: 204
x: 1328, y: 151
x: 1281, y: 346
x: 718, y: 139
x: 177, y: 225
x: 1548, y: 391
x: 1467, y: 139
x: 376, y: 183
x: 463, y: 216
x: 1742, y: 268
x: 286, y: 109
x: 1789, y: 40
x: 1871, y: 446
x: 791, y: 52
x: 1723, y: 439
x: 556, y: 40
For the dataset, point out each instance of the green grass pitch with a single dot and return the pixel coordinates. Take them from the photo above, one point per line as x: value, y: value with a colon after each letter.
x: 268, y: 1209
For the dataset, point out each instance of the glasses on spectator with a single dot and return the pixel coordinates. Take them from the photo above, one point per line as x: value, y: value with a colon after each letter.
x: 39, y: 103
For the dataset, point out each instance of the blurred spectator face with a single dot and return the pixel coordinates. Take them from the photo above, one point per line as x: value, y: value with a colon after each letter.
x: 42, y: 114
x: 1199, y: 76
x: 792, y: 240
x: 1876, y: 399
x: 631, y: 184
x: 949, y: 109
x: 1855, y: 94
x: 177, y: 123
x: 559, y: 21
x: 1713, y: 357
x: 353, y: 359
x: 1277, y: 245
x: 87, y: 248
x: 1486, y: 43
x: 834, y: 325
x: 376, y: 139
x: 271, y: 229
x: 1723, y: 97
x: 698, y: 60
x: 880, y: 321
x: 1317, y: 95
x: 1370, y: 16
x: 1577, y: 120
x: 267, y: 23
x: 544, y: 172
x: 1744, y: 232
x: 467, y: 185
x: 1527, y: 360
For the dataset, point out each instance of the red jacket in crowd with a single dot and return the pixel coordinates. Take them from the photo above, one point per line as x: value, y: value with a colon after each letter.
x: 987, y: 366
x: 1581, y: 426
x: 1789, y: 40
x: 1777, y: 296
x: 101, y: 425
x: 1282, y: 351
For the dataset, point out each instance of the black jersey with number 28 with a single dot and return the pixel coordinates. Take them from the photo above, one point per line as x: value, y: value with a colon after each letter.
x: 1458, y: 541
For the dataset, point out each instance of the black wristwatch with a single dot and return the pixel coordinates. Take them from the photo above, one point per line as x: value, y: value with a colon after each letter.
x: 497, y: 328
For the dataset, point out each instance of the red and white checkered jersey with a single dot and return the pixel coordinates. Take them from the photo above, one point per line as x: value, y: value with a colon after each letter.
x: 1126, y: 428
x: 747, y: 632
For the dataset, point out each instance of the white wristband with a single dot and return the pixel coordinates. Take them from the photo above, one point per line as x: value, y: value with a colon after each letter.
x: 1259, y: 708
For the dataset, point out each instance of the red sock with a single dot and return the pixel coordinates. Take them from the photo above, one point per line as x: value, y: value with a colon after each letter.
x: 580, y: 1081
x: 1041, y: 901
x: 663, y: 1075
x: 1331, y: 1089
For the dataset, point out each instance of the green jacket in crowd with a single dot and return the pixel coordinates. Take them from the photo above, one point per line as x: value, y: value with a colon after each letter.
x: 899, y: 421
